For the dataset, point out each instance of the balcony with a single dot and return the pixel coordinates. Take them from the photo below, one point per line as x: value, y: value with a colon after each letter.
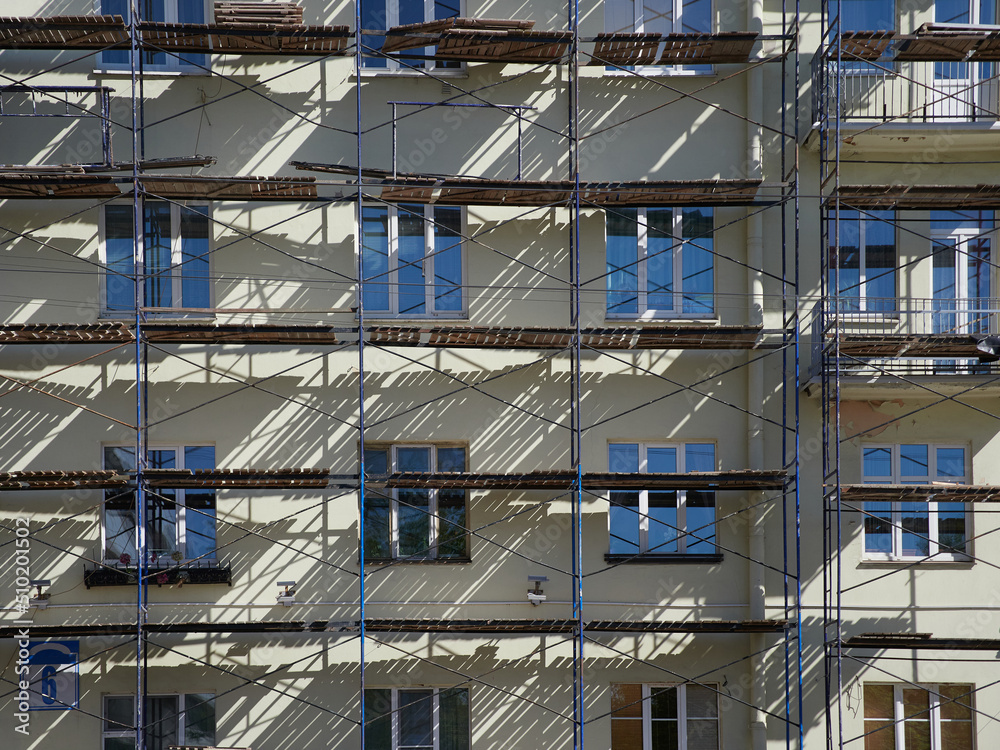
x: 938, y: 77
x: 907, y: 337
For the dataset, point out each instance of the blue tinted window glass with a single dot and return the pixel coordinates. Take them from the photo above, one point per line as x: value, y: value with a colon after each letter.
x: 868, y: 15
x: 915, y: 529
x: 623, y: 519
x: 878, y: 528
x: 375, y: 249
x: 447, y: 259
x: 411, y: 246
x: 659, y: 260
x: 158, y: 271
x: 623, y: 457
x: 878, y: 463
x: 118, y: 248
x: 622, y: 259
x: 115, y: 8
x: 699, y: 457
x: 199, y: 504
x: 697, y: 261
x: 950, y: 462
x: 195, y: 284
x: 663, y: 531
x: 700, y: 522
x: 913, y: 462
x: 373, y: 16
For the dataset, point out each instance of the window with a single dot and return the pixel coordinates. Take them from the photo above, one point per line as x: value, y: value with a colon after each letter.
x: 385, y: 14
x: 177, y: 521
x: 164, y: 11
x: 866, y: 260
x: 661, y: 522
x: 170, y: 720
x: 423, y: 524
x: 901, y: 717
x: 652, y: 717
x: 866, y: 15
x: 659, y: 17
x: 961, y: 244
x: 176, y: 257
x: 413, y: 261
x: 915, y: 530
x: 417, y: 719
x: 660, y: 262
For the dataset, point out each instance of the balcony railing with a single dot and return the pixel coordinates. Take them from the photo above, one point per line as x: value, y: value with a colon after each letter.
x: 930, y: 323
x: 885, y: 91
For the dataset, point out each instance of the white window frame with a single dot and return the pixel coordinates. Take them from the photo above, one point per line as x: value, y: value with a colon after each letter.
x: 682, y: 528
x: 432, y: 501
x: 935, y: 553
x: 435, y: 717
x: 172, y: 65
x: 392, y: 277
x: 638, y: 27
x: 395, y: 67
x: 130, y: 733
x: 176, y: 260
x: 642, y: 274
x: 862, y: 299
x: 899, y: 711
x: 181, y: 499
x: 682, y: 716
x: 957, y: 241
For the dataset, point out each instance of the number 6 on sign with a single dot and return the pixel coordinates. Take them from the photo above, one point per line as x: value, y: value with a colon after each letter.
x: 54, y: 675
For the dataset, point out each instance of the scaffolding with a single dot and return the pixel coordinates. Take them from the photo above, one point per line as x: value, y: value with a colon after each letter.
x: 351, y: 180
x: 869, y: 333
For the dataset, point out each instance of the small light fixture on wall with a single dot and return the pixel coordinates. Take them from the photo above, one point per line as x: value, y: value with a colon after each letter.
x: 41, y: 599
x: 535, y: 595
x: 286, y: 598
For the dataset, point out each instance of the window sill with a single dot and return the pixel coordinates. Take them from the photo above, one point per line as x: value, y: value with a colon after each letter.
x: 895, y: 562
x: 147, y: 73
x: 418, y: 560
x: 676, y: 558
x: 660, y: 71
x: 659, y: 320
x: 418, y: 73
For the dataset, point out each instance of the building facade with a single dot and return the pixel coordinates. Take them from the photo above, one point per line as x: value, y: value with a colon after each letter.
x: 457, y: 375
